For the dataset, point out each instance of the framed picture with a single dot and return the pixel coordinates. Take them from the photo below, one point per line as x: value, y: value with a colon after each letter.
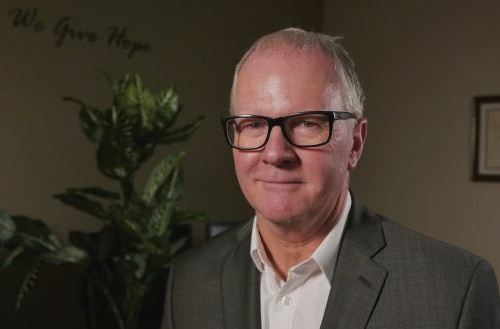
x: 215, y: 228
x: 487, y: 139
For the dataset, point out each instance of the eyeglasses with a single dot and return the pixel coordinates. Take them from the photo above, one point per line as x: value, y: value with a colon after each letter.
x: 302, y: 129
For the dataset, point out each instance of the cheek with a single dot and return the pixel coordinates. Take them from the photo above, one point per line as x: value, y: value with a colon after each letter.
x: 325, y: 170
x: 329, y: 168
x: 244, y: 164
x: 340, y: 152
x: 328, y: 177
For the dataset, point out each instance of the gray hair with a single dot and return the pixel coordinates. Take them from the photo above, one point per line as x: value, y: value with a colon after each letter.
x: 312, y: 42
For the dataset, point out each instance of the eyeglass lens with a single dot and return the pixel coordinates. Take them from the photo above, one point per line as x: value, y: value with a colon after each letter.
x: 302, y: 130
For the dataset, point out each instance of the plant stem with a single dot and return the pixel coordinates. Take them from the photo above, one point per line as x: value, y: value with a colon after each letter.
x: 90, y: 304
x: 109, y: 298
x: 128, y: 191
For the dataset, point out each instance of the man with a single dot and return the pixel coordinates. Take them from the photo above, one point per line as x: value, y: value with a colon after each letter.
x: 314, y: 257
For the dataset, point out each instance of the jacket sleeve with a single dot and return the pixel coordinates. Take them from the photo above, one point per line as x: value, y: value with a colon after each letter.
x: 481, y: 305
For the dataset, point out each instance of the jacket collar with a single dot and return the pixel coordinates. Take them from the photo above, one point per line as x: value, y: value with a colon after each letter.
x: 356, y: 284
x: 358, y: 280
x: 240, y: 285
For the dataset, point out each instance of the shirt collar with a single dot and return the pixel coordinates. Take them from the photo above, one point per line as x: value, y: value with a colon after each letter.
x: 325, y: 255
x: 257, y: 251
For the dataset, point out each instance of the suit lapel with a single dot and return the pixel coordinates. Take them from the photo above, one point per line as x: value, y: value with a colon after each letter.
x: 356, y: 285
x: 240, y: 286
x: 358, y: 280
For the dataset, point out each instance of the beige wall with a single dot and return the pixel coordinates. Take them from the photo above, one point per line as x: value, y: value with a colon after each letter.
x: 421, y: 63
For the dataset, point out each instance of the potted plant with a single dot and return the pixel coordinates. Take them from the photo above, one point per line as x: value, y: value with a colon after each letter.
x: 141, y: 229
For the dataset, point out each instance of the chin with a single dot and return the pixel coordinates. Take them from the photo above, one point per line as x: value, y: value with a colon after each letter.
x: 282, y: 214
x: 278, y: 206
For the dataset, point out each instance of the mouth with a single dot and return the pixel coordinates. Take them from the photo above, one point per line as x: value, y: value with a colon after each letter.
x: 282, y: 184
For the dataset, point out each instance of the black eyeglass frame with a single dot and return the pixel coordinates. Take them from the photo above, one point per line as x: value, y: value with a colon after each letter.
x: 280, y: 121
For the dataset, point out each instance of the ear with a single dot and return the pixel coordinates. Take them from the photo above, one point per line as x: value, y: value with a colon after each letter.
x: 359, y: 132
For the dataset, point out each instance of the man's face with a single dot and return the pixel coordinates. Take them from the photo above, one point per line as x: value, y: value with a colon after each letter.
x: 286, y: 184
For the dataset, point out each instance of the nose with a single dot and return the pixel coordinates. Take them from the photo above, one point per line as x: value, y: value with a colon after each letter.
x: 278, y: 151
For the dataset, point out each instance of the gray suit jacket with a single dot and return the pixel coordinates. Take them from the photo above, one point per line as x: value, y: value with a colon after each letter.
x: 386, y: 277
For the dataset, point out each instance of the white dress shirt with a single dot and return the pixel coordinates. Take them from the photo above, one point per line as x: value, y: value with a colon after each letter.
x: 300, y: 301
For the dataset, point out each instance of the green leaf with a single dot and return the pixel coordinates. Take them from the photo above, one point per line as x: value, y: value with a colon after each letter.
x: 119, y: 219
x: 90, y: 120
x: 27, y: 284
x: 55, y: 241
x: 168, y: 108
x: 131, y: 223
x: 91, y: 124
x: 168, y: 99
x: 134, y: 226
x: 65, y: 255
x: 7, y: 227
x: 181, y: 134
x: 133, y: 97
x: 33, y: 234
x: 95, y: 191
x: 113, y: 165
x: 160, y: 218
x: 159, y: 175
x: 132, y: 229
x: 103, y: 246
x: 82, y: 240
x: 122, y: 150
x: 146, y: 104
x: 13, y: 255
x: 83, y: 204
x: 140, y: 261
x: 167, y: 195
x: 172, y: 189
x: 106, y: 243
x: 184, y: 217
x: 98, y: 245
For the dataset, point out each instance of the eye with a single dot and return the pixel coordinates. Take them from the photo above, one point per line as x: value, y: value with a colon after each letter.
x: 308, y: 123
x: 255, y: 125
x: 250, y: 124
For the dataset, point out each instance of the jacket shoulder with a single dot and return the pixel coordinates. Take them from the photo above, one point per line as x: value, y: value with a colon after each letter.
x: 403, y: 242
x: 194, y: 290
x: 431, y: 284
x: 210, y: 254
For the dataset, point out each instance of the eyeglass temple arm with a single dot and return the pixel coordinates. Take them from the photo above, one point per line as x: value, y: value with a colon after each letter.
x: 344, y: 115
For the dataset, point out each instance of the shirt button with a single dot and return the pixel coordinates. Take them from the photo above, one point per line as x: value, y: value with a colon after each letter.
x: 287, y: 300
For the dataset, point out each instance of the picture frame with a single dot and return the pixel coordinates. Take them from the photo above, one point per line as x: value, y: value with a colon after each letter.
x: 487, y: 138
x: 214, y: 228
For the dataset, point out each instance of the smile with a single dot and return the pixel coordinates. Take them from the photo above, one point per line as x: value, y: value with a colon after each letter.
x: 273, y: 184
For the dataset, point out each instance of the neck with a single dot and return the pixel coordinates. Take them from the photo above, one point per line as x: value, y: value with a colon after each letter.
x: 289, y: 244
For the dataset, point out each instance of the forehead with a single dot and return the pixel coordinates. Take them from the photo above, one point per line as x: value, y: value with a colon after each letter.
x: 284, y: 81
